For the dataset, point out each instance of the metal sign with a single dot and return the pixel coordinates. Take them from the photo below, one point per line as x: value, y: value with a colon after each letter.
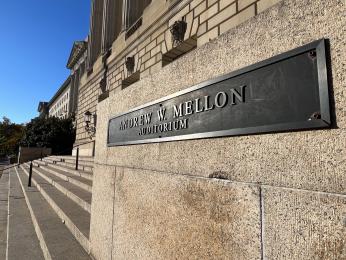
x: 283, y: 93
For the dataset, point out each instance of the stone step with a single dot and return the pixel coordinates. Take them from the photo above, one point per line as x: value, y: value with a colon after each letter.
x: 80, y: 161
x: 71, y: 162
x: 4, y: 188
x: 80, y: 173
x: 81, y: 182
x: 81, y: 167
x: 75, y: 193
x: 57, y: 240
x: 85, y: 160
x: 75, y: 218
x: 71, y: 157
x: 23, y: 242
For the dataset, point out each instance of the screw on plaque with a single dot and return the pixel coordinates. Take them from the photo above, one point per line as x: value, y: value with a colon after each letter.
x: 315, y: 115
x: 312, y: 54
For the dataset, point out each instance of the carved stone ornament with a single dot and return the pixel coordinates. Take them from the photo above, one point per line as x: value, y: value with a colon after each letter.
x: 103, y: 84
x: 130, y: 64
x: 178, y: 30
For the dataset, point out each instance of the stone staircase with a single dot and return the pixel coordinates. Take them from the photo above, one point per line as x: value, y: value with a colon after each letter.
x: 50, y: 219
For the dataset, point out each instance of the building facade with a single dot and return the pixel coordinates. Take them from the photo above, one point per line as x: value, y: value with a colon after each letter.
x: 76, y: 64
x: 263, y: 196
x: 59, y: 105
x: 127, y: 44
x: 64, y: 102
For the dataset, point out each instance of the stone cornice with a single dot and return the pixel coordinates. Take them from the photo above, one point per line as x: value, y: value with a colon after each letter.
x: 79, y: 47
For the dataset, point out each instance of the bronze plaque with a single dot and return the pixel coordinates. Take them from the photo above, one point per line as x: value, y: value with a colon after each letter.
x: 284, y: 93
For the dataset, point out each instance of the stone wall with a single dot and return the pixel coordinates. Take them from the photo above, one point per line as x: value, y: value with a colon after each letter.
x: 151, y: 43
x: 32, y: 153
x: 276, y: 196
x: 87, y: 101
x: 85, y: 149
x: 205, y: 21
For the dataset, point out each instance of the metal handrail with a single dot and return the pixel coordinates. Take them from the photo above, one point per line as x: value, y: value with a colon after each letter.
x: 74, y: 146
x: 30, y: 171
x: 31, y: 165
x: 77, y: 152
x: 17, y: 165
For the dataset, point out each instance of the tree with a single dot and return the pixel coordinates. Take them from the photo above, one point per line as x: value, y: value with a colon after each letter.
x: 52, y: 132
x: 10, y: 136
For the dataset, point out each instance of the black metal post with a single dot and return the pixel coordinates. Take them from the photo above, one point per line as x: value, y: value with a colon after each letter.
x: 41, y: 155
x: 77, y: 155
x: 30, y: 174
x: 94, y: 144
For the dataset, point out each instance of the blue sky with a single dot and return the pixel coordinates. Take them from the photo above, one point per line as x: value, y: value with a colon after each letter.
x: 36, y: 38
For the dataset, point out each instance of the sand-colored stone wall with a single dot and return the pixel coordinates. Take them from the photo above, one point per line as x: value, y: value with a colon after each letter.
x: 206, y: 19
x: 277, y: 196
x: 87, y: 101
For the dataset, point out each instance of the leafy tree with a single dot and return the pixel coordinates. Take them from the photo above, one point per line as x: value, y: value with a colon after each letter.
x: 10, y: 136
x: 58, y: 134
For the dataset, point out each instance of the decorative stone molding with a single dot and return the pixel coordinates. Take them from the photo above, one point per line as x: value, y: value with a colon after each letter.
x: 130, y: 64
x: 178, y: 30
x: 103, y: 84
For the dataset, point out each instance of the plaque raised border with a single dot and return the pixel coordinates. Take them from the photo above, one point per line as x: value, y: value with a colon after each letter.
x: 320, y: 120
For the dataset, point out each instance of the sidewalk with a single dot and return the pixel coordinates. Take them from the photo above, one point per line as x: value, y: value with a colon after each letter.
x: 3, y: 212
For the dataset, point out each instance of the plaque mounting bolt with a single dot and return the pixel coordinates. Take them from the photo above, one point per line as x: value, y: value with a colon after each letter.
x: 312, y: 54
x: 315, y: 115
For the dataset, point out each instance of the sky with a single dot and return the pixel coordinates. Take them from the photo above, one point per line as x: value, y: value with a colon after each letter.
x: 36, y: 38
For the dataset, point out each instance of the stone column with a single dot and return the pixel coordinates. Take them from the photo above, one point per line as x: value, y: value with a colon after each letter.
x: 95, y: 35
x: 112, y: 22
